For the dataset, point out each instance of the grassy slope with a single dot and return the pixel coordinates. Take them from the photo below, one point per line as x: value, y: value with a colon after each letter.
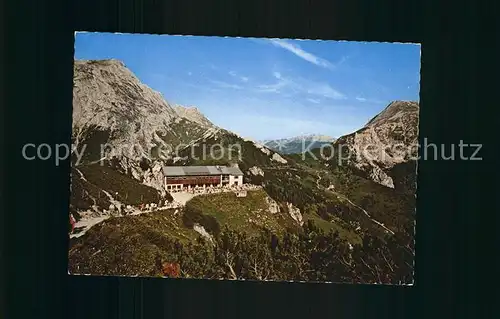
x: 85, y: 194
x: 128, y: 245
x: 393, y: 207
x: 236, y: 213
x: 129, y: 190
x: 299, y: 186
x: 295, y: 182
x: 105, y: 178
x: 336, y: 226
x: 178, y: 134
x: 90, y: 147
x: 250, y: 213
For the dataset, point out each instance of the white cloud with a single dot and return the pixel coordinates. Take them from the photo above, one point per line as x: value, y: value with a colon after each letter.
x: 325, y: 90
x: 314, y: 101
x: 342, y: 60
x: 289, y: 86
x: 365, y: 100
x: 273, y: 88
x: 298, y: 51
x: 225, y: 85
x: 241, y: 78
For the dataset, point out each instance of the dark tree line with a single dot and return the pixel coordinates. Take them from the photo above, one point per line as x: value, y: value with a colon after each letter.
x: 310, y: 255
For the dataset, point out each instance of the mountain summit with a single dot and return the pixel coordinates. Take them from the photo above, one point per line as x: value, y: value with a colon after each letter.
x: 138, y: 127
x: 298, y: 144
x: 193, y: 114
x: 112, y: 108
x: 386, y: 141
x: 108, y: 98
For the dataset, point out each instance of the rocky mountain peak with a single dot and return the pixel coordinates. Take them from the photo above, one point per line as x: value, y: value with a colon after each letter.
x: 384, y: 142
x: 394, y: 111
x: 109, y: 96
x: 193, y: 114
x: 112, y: 108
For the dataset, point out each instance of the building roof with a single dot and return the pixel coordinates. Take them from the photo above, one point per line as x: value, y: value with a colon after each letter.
x: 200, y: 170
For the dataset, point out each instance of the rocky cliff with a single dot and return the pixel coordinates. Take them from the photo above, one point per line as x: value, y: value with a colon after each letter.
x: 387, y: 140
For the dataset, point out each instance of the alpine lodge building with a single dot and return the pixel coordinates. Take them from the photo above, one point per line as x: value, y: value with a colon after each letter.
x: 179, y: 178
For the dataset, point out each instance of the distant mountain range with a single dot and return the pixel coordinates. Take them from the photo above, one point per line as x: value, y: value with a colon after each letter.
x: 298, y: 144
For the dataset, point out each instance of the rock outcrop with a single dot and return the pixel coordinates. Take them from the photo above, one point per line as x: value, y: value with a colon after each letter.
x: 295, y: 213
x: 389, y: 139
x: 193, y: 114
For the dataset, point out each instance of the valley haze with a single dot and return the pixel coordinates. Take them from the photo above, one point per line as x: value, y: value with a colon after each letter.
x: 243, y: 159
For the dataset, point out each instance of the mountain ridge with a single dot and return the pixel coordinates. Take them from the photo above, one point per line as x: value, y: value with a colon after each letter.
x: 298, y: 144
x: 193, y: 114
x: 392, y: 137
x: 138, y: 126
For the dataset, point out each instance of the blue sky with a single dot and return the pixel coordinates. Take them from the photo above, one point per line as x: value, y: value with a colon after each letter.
x: 268, y: 88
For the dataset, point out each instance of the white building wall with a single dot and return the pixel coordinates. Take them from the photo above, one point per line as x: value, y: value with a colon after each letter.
x: 235, y: 179
x: 240, y: 180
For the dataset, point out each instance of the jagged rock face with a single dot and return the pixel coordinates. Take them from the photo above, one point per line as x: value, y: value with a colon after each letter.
x: 154, y: 177
x: 405, y: 112
x: 256, y: 171
x: 295, y: 213
x: 114, y: 114
x: 107, y: 96
x: 389, y: 139
x: 194, y: 115
x: 117, y: 117
x: 273, y: 205
x: 202, y: 231
x: 132, y: 119
x: 277, y: 158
